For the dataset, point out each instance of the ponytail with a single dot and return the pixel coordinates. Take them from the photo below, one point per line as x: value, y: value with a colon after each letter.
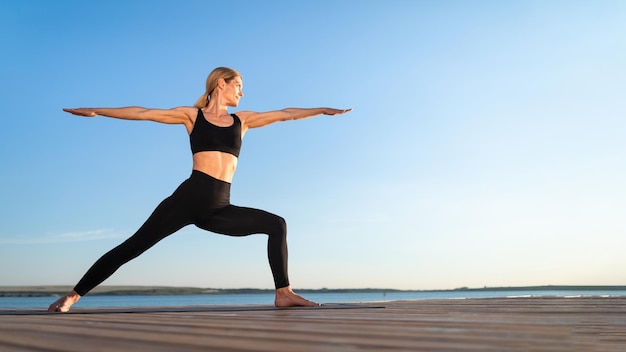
x: 211, y: 82
x: 202, y: 102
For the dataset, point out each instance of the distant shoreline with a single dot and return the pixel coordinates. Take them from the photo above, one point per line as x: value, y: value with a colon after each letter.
x: 50, y: 291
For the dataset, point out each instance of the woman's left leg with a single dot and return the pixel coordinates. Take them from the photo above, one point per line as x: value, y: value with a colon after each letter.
x: 241, y: 221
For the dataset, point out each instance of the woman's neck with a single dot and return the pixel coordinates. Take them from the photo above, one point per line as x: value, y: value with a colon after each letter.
x: 215, y: 108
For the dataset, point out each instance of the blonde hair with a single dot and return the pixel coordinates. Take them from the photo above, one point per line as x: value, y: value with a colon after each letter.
x: 225, y: 73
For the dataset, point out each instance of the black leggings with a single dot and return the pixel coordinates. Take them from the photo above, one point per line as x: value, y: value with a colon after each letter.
x: 205, y: 202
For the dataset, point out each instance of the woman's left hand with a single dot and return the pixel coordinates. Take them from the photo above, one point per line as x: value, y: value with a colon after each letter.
x: 330, y: 111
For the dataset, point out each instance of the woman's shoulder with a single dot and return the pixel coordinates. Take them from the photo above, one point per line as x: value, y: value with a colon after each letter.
x: 186, y: 109
x: 190, y: 111
x: 243, y: 115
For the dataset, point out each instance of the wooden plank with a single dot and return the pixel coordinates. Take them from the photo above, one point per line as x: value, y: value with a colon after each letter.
x: 513, y: 324
x: 179, y: 309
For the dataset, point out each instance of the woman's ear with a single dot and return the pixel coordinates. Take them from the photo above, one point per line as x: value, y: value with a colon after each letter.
x: 221, y: 83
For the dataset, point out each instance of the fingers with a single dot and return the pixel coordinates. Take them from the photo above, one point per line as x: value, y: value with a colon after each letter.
x: 81, y: 112
x: 337, y: 111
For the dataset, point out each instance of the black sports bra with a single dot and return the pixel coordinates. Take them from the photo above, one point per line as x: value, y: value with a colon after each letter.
x: 206, y: 136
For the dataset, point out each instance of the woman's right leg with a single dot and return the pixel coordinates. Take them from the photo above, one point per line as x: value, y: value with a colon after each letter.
x: 166, y: 219
x: 169, y: 216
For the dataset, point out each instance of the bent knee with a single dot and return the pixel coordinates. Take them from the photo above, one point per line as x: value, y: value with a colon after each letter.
x: 279, y: 226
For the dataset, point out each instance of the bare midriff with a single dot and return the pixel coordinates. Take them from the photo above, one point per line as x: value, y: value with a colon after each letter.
x: 216, y: 164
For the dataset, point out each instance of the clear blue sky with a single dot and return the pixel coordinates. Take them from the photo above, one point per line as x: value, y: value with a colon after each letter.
x: 486, y: 146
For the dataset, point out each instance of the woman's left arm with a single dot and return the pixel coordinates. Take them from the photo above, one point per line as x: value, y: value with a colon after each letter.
x: 252, y: 119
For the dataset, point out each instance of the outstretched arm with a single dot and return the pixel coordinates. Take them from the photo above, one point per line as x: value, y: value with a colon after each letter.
x: 181, y: 115
x: 252, y: 119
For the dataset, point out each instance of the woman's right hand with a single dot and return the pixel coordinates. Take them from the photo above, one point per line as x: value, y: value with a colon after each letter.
x: 89, y: 112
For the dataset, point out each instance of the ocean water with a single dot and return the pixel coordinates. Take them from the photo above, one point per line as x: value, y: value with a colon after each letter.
x: 268, y: 298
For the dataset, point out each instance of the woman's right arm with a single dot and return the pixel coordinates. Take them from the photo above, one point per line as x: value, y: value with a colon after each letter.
x: 180, y: 115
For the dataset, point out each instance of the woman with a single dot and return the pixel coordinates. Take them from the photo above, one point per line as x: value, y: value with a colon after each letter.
x: 204, y: 198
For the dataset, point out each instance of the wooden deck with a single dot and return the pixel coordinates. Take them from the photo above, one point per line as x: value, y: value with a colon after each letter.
x: 505, y: 324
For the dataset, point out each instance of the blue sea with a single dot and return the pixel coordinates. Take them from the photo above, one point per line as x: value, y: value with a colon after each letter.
x: 268, y: 298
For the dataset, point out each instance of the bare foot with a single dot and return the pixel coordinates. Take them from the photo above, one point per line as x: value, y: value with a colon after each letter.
x: 64, y: 303
x: 285, y: 297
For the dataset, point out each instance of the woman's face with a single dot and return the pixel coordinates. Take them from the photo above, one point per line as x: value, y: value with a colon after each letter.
x: 233, y: 91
